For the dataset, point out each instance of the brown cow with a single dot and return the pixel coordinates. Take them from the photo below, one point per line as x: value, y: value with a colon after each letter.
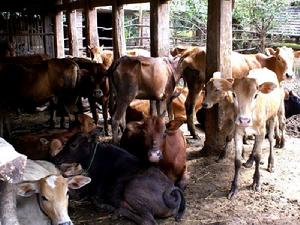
x: 46, y: 143
x: 258, y: 100
x: 26, y: 59
x: 139, y: 109
x: 193, y: 66
x: 154, y: 141
x: 140, y: 77
x: 32, y: 85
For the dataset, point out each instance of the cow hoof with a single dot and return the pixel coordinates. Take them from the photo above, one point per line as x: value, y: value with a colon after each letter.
x: 231, y: 194
x: 270, y: 169
x: 248, y: 164
x: 256, y: 187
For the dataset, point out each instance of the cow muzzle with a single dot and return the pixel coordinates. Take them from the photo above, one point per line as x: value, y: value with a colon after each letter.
x: 244, y: 121
x: 98, y: 93
x: 289, y: 75
x: 155, y: 156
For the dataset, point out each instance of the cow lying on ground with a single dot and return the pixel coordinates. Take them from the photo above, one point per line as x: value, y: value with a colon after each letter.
x: 193, y: 67
x: 43, y: 194
x: 292, y: 104
x: 144, y: 78
x: 163, y: 144
x: 257, y: 100
x: 46, y: 143
x: 112, y: 169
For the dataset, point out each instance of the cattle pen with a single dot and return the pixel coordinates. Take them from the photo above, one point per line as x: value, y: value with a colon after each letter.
x: 68, y: 30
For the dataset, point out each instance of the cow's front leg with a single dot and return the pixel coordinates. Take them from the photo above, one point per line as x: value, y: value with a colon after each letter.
x: 257, y: 157
x: 238, y: 139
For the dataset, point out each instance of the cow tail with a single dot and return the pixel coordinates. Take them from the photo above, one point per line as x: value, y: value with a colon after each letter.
x: 174, y: 198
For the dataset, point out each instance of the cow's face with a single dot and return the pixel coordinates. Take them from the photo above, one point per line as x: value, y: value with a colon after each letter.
x: 154, y: 128
x: 53, y: 195
x: 215, y: 91
x: 76, y: 150
x: 245, y: 93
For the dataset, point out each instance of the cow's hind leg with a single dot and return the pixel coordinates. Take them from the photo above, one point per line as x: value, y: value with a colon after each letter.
x: 272, y: 124
x: 144, y: 219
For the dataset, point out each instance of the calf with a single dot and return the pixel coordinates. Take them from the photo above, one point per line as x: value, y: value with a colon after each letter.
x: 144, y: 78
x: 46, y: 143
x: 257, y: 100
x: 43, y: 195
x: 193, y: 66
x: 114, y: 174
x: 156, y: 142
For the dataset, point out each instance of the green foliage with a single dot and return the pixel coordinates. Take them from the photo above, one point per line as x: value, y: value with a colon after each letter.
x: 258, y: 14
x: 188, y: 13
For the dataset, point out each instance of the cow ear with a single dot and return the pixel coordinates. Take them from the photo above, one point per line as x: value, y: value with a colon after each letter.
x: 296, y: 54
x: 269, y: 51
x: 55, y: 147
x: 267, y: 87
x: 70, y: 169
x: 78, y: 181
x: 174, y: 125
x: 26, y: 189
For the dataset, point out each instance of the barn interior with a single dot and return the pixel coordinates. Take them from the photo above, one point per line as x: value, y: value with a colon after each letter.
x: 66, y: 28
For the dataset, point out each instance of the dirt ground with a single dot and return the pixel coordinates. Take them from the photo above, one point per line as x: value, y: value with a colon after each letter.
x: 277, y: 204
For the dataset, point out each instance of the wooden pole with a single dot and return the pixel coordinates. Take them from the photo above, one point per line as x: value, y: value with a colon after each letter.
x: 91, y: 30
x: 72, y: 31
x: 218, y: 58
x: 159, y: 28
x: 119, y: 43
x: 59, y: 34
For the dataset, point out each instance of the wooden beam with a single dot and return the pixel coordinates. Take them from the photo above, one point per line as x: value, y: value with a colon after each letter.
x: 59, y: 35
x: 91, y: 29
x: 218, y: 58
x: 48, y: 40
x: 159, y: 28
x: 119, y: 44
x: 72, y: 32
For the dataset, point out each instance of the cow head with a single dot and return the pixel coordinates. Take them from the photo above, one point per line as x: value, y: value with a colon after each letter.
x: 284, y: 61
x: 245, y: 93
x: 215, y: 91
x: 96, y: 53
x: 53, y: 195
x: 154, y: 130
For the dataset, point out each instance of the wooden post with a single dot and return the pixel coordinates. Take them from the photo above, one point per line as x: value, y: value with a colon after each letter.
x: 48, y: 41
x: 159, y: 28
x: 59, y: 34
x: 141, y: 27
x: 91, y: 29
x: 119, y: 43
x: 218, y: 58
x: 72, y: 31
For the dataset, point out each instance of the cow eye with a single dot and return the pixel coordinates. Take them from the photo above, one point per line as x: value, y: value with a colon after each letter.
x: 233, y: 94
x: 67, y: 193
x: 255, y: 96
x: 44, y: 198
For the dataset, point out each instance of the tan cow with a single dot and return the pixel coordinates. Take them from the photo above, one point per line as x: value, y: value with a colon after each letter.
x: 257, y: 100
x: 43, y: 195
x: 193, y: 66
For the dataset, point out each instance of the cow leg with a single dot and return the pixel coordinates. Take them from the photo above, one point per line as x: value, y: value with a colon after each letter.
x: 238, y: 139
x: 170, y: 109
x: 147, y: 219
x: 271, y: 141
x: 257, y: 157
x: 93, y: 109
x: 280, y: 130
x: 52, y: 112
x: 153, y: 109
x: 105, y: 114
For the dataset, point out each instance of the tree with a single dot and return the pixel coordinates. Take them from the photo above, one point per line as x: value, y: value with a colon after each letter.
x: 258, y: 15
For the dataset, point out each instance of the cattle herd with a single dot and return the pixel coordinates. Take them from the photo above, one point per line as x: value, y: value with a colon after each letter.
x: 142, y: 174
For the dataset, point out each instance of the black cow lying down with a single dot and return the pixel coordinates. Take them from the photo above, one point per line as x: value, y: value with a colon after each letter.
x: 120, y: 180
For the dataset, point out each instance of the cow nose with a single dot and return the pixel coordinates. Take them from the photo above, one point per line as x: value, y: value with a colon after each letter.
x: 244, y: 120
x: 98, y: 93
x: 205, y: 105
x: 289, y: 75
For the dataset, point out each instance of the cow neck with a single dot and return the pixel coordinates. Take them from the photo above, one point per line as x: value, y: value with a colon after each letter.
x: 92, y: 157
x: 40, y: 206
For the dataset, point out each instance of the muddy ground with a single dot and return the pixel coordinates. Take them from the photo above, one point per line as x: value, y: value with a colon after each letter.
x: 277, y: 204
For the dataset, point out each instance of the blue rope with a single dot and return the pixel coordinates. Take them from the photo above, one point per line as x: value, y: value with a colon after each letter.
x: 93, y: 157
